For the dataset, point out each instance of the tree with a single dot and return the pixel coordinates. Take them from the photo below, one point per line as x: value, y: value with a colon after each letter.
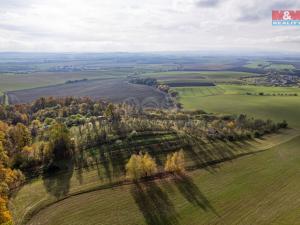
x: 109, y: 111
x: 19, y: 137
x: 149, y: 166
x: 112, y: 114
x: 35, y: 125
x: 59, y: 141
x: 9, y: 179
x: 175, y: 162
x: 133, y: 167
x: 140, y: 166
x: 3, y: 156
x: 5, y: 216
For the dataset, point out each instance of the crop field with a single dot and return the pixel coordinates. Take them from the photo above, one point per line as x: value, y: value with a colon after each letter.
x: 198, y: 77
x: 12, y: 82
x: 281, y: 67
x: 188, y: 83
x: 262, y: 186
x: 199, y: 74
x: 233, y: 99
x: 236, y: 90
x: 270, y: 65
x: 257, y: 64
x: 116, y: 90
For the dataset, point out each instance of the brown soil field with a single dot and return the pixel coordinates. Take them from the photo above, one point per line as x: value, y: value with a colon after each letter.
x: 115, y: 90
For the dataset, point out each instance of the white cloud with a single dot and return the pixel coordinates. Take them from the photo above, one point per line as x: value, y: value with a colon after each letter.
x: 148, y: 25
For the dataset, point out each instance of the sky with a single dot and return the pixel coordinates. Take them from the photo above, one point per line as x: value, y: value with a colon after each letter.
x: 144, y: 25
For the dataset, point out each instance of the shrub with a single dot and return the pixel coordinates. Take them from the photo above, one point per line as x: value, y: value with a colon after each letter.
x: 283, y: 124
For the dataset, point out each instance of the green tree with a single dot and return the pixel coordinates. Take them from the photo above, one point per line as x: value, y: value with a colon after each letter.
x: 59, y: 141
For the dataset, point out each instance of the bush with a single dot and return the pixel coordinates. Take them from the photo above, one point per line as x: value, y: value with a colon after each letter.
x: 257, y: 134
x: 283, y: 124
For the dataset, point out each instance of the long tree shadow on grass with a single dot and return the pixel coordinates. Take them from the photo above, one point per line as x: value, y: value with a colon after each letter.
x: 208, y: 155
x: 57, y: 178
x: 155, y: 204
x: 104, y: 158
x: 118, y: 162
x: 192, y: 193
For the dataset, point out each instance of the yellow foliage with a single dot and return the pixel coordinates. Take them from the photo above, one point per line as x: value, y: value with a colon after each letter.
x: 140, y: 166
x: 231, y: 124
x: 3, y: 155
x: 175, y: 162
x: 36, y: 123
x: 149, y: 166
x: 133, y: 167
x: 5, y: 216
x: 3, y: 126
x: 9, y: 178
x: 28, y: 150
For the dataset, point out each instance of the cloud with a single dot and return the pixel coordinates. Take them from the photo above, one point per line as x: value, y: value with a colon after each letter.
x: 207, y: 3
x: 148, y: 25
x: 260, y: 10
x: 14, y: 4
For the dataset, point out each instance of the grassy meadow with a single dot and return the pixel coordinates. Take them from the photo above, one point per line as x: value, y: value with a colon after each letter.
x: 200, y: 76
x: 244, y: 191
x: 42, y: 192
x: 269, y: 66
x: 233, y: 99
x: 209, y: 74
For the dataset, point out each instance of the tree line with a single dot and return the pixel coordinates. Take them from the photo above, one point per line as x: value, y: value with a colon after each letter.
x: 35, y: 136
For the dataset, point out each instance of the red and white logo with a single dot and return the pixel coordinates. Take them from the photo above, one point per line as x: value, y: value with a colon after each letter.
x: 286, y: 17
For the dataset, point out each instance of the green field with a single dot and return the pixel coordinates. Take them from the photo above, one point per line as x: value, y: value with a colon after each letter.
x: 257, y: 64
x: 41, y: 192
x: 232, y: 77
x: 210, y: 74
x: 257, y: 189
x: 12, y: 82
x: 281, y: 67
x: 233, y: 99
x: 269, y: 66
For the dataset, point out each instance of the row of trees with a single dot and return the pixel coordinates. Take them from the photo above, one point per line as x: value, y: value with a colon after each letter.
x: 272, y: 94
x: 51, y: 107
x: 9, y: 178
x: 34, y: 136
x: 143, y: 165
